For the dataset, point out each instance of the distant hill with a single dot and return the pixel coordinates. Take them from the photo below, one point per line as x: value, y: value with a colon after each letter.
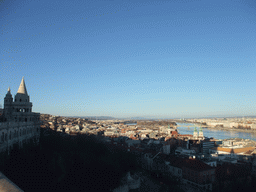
x: 136, y: 118
x: 209, y: 117
x: 110, y: 118
x: 94, y: 117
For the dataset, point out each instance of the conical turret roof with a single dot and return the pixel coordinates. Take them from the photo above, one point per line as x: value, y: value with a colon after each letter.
x: 9, y: 91
x: 22, y: 89
x: 8, y: 94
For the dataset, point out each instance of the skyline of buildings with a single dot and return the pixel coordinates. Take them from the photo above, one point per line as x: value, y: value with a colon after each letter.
x: 153, y: 150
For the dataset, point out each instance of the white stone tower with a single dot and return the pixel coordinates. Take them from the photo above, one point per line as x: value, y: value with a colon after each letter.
x: 201, y: 132
x: 21, y: 102
x: 19, y: 110
x: 195, y: 134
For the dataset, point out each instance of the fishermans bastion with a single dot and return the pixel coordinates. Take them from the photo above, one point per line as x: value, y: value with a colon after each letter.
x: 18, y: 124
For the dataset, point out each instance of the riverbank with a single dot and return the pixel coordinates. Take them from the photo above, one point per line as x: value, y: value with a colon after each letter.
x: 231, y: 129
x: 219, y: 132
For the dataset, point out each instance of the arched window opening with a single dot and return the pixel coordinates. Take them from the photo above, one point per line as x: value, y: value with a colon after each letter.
x: 25, y: 119
x: 20, y: 100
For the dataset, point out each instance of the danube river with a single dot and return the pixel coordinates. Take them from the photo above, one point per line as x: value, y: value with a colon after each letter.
x: 217, y: 134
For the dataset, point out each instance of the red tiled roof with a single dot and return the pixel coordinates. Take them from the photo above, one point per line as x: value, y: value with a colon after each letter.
x: 174, y: 133
x: 229, y: 150
x: 197, y: 165
x: 194, y: 164
x: 123, y: 130
x: 186, y: 135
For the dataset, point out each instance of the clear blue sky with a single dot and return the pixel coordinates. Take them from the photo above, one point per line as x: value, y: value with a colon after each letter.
x: 175, y: 58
